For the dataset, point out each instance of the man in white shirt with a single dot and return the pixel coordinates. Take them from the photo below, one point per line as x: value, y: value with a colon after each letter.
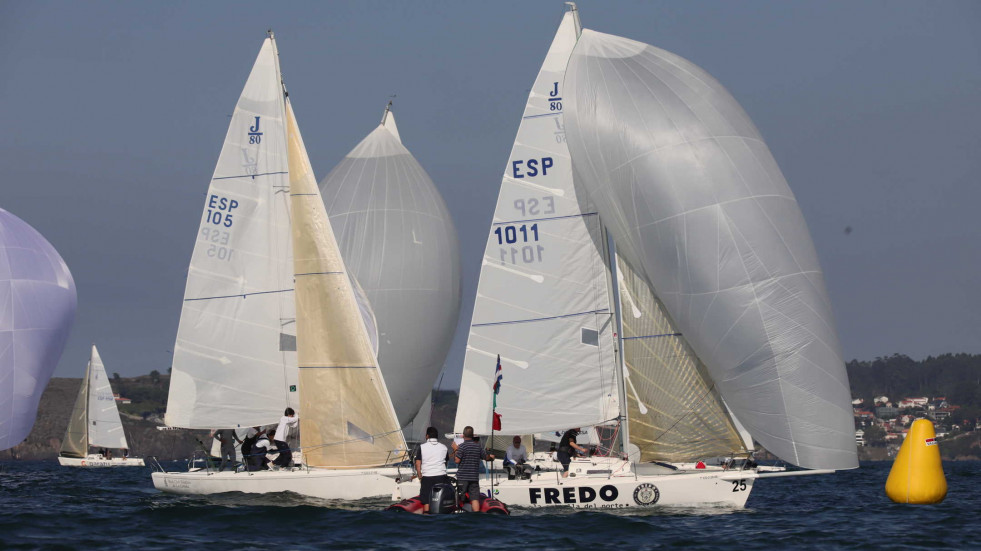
x: 288, y: 420
x: 517, y: 457
x: 430, y: 461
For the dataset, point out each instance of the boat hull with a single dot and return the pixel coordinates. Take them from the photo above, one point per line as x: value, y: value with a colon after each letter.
x: 683, y: 489
x: 313, y: 482
x: 100, y: 461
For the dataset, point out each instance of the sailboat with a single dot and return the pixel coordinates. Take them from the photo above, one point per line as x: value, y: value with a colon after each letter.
x: 622, y: 291
x: 38, y: 299
x: 95, y: 423
x: 272, y: 318
x: 398, y: 240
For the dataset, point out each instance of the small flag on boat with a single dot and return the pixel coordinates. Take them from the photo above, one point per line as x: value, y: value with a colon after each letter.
x: 498, y: 376
x: 497, y: 421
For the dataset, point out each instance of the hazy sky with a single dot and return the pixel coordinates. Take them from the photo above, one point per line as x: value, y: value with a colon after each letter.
x: 112, y: 115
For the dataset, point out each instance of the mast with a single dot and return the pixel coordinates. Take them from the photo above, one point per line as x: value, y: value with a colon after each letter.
x: 575, y: 17
x: 388, y: 109
x: 88, y: 391
x: 283, y: 320
x: 611, y: 257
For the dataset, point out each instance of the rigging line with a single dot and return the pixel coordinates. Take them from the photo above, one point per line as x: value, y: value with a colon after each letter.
x: 580, y: 215
x: 652, y: 336
x: 336, y: 367
x: 243, y: 295
x: 253, y: 176
x: 542, y: 115
x: 317, y: 273
x: 540, y: 319
x: 682, y: 418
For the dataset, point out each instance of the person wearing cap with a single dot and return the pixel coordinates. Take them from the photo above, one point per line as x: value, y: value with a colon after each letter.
x: 567, y: 447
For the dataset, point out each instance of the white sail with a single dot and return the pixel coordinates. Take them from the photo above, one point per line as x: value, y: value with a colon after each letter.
x: 398, y: 240
x: 37, y: 308
x: 235, y: 356
x: 696, y: 203
x: 542, y: 301
x: 105, y: 426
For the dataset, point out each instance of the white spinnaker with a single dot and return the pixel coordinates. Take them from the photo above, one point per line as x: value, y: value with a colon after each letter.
x: 37, y: 308
x: 105, y: 427
x: 542, y: 300
x: 696, y: 203
x: 235, y: 358
x: 398, y: 240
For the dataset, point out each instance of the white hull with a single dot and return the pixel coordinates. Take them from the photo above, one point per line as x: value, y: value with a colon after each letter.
x: 347, y: 484
x: 622, y: 490
x: 100, y: 461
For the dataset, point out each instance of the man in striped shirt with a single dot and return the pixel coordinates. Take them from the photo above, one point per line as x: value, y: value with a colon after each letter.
x: 468, y: 456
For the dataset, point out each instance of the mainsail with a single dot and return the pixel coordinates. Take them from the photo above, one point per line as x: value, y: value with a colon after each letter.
x: 398, y: 239
x: 235, y: 356
x: 348, y: 419
x: 37, y: 308
x: 105, y: 426
x: 697, y: 205
x: 542, y: 301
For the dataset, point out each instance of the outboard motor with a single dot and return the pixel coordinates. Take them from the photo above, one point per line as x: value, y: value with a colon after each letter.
x: 443, y: 499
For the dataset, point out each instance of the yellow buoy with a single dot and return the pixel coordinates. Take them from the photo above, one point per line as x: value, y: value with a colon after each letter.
x: 917, y: 475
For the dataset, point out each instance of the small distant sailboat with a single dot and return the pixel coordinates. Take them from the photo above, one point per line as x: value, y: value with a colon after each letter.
x: 37, y: 308
x: 273, y: 319
x: 95, y: 423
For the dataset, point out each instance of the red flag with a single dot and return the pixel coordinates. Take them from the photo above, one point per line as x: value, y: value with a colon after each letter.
x: 497, y: 421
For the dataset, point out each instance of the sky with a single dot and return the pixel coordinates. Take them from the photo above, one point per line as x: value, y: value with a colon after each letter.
x: 112, y: 115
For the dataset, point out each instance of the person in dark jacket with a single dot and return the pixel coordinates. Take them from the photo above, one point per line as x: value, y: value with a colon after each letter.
x: 568, y: 448
x: 468, y: 456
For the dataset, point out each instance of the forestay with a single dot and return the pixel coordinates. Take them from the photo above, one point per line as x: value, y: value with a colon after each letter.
x: 37, y: 308
x: 235, y: 360
x: 398, y: 239
x: 696, y: 203
x: 105, y: 427
x: 348, y: 419
x: 542, y: 299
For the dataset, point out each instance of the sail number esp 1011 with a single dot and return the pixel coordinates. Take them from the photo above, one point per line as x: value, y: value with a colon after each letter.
x: 519, y: 233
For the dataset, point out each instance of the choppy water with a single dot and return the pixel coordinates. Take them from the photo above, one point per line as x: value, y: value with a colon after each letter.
x: 46, y: 506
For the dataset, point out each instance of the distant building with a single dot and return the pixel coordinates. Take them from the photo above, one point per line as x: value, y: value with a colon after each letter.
x: 886, y: 412
x: 860, y: 437
x: 121, y: 400
x: 880, y: 400
x: 914, y: 402
x: 857, y: 402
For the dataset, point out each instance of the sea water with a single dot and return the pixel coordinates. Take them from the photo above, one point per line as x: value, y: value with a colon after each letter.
x: 46, y: 506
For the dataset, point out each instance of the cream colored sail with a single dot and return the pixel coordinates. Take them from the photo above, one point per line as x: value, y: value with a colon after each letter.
x: 675, y: 412
x: 347, y: 418
x: 76, y: 441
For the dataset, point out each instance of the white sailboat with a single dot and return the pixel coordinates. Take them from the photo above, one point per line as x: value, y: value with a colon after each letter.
x: 586, y: 301
x: 271, y: 318
x: 95, y: 423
